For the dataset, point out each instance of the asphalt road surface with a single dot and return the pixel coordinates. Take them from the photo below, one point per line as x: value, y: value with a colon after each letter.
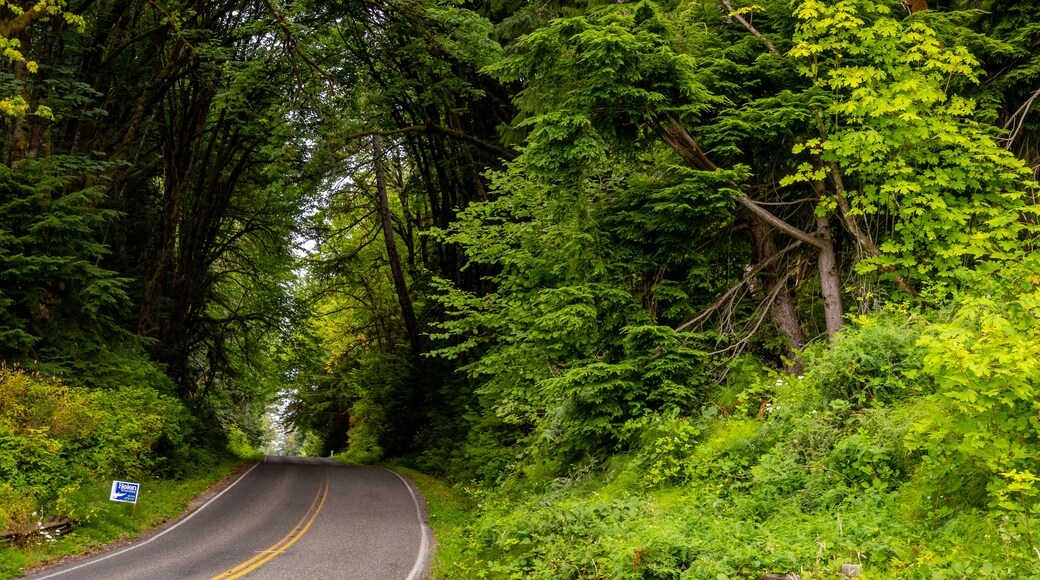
x: 285, y: 518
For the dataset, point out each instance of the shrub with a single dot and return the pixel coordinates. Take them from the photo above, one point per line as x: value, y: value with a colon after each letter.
x: 40, y: 425
x: 877, y: 361
x: 54, y: 437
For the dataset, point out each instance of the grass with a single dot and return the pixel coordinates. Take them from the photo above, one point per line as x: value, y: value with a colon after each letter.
x: 103, y: 522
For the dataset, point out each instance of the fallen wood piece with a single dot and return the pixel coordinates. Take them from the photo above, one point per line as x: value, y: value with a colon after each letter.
x: 851, y: 570
x: 56, y: 525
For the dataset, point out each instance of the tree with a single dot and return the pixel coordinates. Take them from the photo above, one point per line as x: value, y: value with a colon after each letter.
x: 54, y: 293
x: 386, y: 220
x: 632, y: 139
x: 617, y: 81
x: 618, y: 76
x: 434, y: 128
x: 154, y: 168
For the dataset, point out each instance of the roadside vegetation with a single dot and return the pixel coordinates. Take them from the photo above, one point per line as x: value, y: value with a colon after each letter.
x: 143, y: 275
x: 60, y: 448
x: 875, y: 456
x: 100, y: 523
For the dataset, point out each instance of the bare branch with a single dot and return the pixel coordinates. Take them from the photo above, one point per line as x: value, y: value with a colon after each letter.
x: 752, y: 328
x: 751, y: 273
x: 1016, y: 121
x: 766, y: 216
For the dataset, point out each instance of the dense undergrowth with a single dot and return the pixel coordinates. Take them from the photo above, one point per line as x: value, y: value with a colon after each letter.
x: 60, y: 447
x: 908, y: 447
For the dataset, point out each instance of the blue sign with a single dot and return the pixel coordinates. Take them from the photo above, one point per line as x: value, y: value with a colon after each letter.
x: 124, y: 491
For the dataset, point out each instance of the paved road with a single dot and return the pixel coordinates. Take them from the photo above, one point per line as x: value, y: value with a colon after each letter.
x: 286, y: 518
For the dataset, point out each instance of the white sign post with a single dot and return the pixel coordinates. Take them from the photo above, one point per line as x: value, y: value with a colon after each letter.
x: 126, y: 492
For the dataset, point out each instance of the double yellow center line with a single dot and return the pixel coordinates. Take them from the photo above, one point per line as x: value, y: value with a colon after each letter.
x: 282, y: 545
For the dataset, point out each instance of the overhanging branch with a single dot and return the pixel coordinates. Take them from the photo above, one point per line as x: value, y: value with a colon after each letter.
x: 750, y: 28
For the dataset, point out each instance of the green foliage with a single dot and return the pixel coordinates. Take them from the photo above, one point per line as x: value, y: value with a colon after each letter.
x: 377, y: 388
x: 49, y: 255
x: 53, y: 438
x: 361, y: 403
x: 1001, y: 36
x: 875, y: 362
x: 602, y: 532
x: 909, y: 149
x: 567, y: 350
x: 983, y: 361
x: 595, y: 81
x: 812, y: 482
x: 559, y: 280
x: 240, y: 446
x: 60, y: 446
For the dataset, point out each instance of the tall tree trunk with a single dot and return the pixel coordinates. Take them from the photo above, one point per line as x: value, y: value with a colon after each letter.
x: 827, y: 261
x: 830, y: 279
x: 407, y: 312
x: 776, y: 291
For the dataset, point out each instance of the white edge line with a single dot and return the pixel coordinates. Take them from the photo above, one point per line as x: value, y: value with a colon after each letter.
x: 417, y: 568
x: 160, y: 534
